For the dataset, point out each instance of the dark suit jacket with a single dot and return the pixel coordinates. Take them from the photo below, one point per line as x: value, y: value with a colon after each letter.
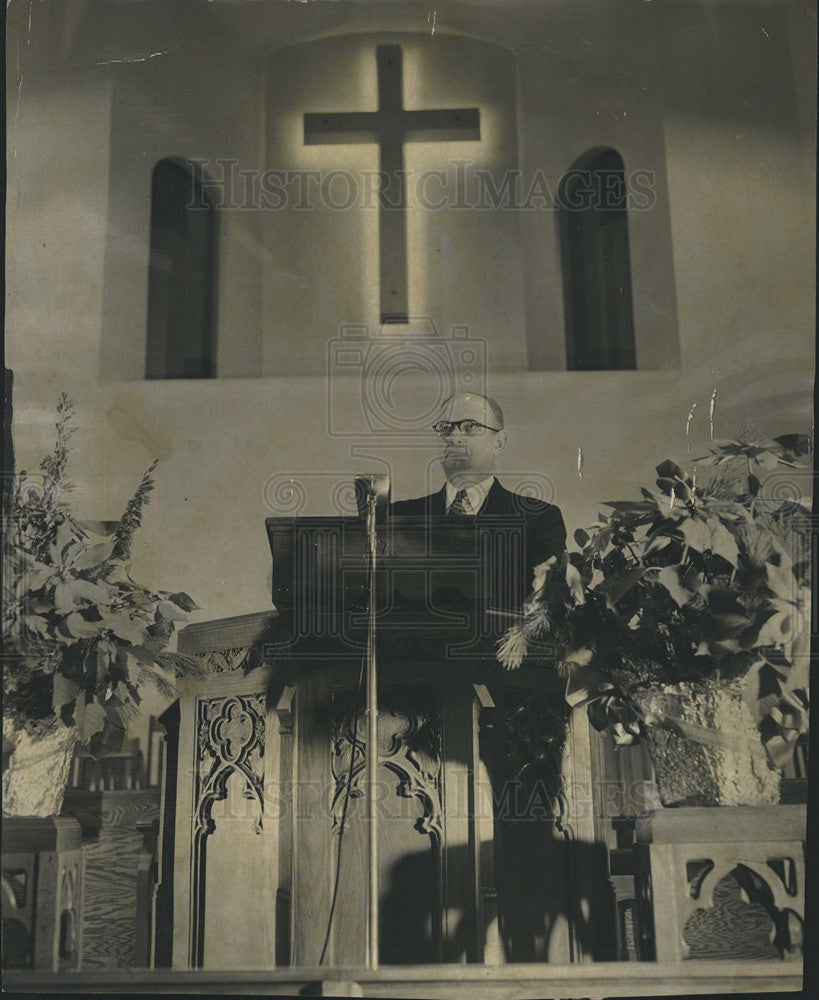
x: 544, y: 530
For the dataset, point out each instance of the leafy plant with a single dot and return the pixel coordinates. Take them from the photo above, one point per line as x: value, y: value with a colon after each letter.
x: 689, y: 583
x: 82, y: 637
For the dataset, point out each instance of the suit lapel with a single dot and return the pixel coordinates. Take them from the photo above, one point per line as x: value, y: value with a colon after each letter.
x: 437, y: 504
x: 496, y: 500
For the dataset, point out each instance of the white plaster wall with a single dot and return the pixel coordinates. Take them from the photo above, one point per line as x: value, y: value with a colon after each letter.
x: 742, y: 206
x: 58, y: 125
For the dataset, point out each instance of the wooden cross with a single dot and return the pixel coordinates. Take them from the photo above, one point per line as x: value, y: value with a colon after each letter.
x: 391, y: 126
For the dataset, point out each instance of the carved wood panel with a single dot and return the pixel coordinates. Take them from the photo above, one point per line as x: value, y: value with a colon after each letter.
x: 409, y: 745
x: 410, y: 824
x: 225, y: 661
x: 230, y: 738
x: 724, y: 901
x: 230, y: 744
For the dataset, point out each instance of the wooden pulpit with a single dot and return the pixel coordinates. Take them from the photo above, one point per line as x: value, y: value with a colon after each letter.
x: 485, y: 851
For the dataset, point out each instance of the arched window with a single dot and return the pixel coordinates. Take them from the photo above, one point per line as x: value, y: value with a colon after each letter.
x: 596, y: 265
x: 182, y: 276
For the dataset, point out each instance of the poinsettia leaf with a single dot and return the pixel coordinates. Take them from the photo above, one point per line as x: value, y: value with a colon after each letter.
x: 600, y: 539
x: 677, y: 581
x: 117, y: 573
x: 780, y: 579
x: 598, y: 717
x: 65, y: 692
x: 63, y: 598
x: 723, y: 543
x: 578, y: 560
x: 80, y: 627
x: 91, y: 556
x: 614, y: 562
x: 92, y: 721
x: 38, y: 576
x: 39, y: 606
x: 614, y: 588
x: 696, y: 533
x: 184, y: 601
x: 65, y: 536
x: 169, y: 612
x: 125, y: 628
x: 69, y: 553
x: 657, y: 543
x: 36, y: 623
x: 763, y: 705
x: 581, y: 537
x: 725, y: 646
x: 669, y: 470
x: 160, y: 634
x: 86, y: 590
x: 670, y: 479
x: 775, y: 630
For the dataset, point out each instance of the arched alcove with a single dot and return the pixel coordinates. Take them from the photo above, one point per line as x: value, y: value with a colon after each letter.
x: 596, y: 264
x: 181, y: 334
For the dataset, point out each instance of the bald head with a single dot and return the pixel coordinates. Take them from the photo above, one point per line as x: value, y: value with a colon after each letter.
x: 467, y: 406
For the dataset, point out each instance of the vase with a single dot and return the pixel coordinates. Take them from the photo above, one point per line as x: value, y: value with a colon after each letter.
x: 35, y: 780
x: 705, y: 746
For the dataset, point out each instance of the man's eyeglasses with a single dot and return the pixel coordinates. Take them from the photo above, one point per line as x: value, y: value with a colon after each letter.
x: 469, y: 428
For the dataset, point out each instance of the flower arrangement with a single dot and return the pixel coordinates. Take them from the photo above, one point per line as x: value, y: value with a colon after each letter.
x: 82, y: 637
x: 691, y: 584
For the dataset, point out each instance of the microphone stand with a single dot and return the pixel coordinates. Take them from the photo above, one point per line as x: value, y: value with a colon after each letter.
x: 371, y: 713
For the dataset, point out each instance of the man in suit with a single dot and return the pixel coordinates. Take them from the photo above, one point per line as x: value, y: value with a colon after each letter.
x: 472, y: 436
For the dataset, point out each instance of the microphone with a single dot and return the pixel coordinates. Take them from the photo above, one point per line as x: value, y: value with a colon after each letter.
x: 367, y: 486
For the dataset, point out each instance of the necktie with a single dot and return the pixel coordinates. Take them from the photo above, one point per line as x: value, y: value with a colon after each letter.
x: 460, y: 505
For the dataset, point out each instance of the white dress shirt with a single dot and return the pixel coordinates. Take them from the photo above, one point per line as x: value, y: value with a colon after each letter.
x: 475, y: 494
